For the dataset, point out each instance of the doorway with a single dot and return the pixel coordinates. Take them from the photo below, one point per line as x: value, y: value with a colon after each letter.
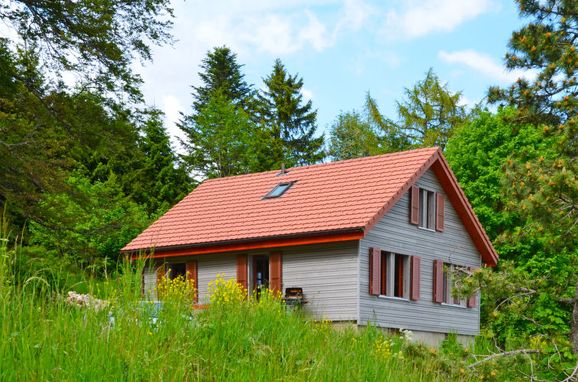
x: 260, y: 274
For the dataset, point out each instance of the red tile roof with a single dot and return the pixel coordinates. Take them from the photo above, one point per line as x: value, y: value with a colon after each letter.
x: 337, y: 197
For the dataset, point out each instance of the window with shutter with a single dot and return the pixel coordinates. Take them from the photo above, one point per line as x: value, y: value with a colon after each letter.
x: 399, y: 275
x: 445, y: 279
x: 427, y: 209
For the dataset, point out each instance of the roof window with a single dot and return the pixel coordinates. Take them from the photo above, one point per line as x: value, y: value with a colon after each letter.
x: 278, y: 190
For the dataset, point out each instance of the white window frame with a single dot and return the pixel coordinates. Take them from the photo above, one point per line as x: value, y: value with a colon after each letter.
x: 390, y: 258
x: 427, y: 209
x: 449, y: 284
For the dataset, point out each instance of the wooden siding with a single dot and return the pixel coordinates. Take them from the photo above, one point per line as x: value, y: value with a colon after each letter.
x: 395, y: 233
x: 326, y: 272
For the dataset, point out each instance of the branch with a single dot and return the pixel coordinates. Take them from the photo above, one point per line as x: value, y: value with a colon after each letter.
x: 572, y: 376
x: 504, y: 354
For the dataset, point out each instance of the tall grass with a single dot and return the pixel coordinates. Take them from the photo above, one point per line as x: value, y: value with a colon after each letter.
x: 46, y: 339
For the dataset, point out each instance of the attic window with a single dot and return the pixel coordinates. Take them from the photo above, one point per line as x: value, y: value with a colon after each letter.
x: 278, y: 190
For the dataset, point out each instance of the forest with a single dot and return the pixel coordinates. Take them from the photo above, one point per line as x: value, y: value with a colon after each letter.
x: 85, y: 167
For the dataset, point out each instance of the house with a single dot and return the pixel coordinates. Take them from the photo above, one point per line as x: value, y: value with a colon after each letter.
x: 372, y: 239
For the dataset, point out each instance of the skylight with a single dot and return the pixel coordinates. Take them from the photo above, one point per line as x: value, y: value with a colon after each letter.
x: 278, y: 190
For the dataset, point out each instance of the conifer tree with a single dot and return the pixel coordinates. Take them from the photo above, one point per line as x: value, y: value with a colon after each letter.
x: 164, y: 180
x: 290, y: 122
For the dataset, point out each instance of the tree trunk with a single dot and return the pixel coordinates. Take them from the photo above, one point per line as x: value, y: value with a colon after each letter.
x: 575, y: 323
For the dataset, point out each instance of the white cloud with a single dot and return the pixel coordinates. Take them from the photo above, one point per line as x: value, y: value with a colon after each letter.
x: 171, y: 107
x: 485, y: 65
x: 421, y: 17
x: 307, y: 94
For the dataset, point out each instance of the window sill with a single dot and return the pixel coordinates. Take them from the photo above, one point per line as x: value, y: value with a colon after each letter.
x: 427, y: 229
x: 454, y: 305
x: 393, y: 298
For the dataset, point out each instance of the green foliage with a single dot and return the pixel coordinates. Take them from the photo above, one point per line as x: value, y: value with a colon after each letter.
x: 289, y: 122
x: 220, y: 140
x: 162, y: 179
x: 98, y: 40
x: 430, y: 112
x: 92, y: 226
x: 351, y: 137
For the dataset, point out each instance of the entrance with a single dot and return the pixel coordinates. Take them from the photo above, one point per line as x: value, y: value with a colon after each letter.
x: 260, y: 274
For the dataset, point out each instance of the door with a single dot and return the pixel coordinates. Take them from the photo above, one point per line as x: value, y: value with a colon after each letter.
x: 260, y: 274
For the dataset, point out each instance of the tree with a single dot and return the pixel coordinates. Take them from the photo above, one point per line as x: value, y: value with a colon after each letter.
x: 548, y: 186
x: 98, y: 40
x: 163, y: 180
x: 351, y: 137
x: 221, y: 73
x: 430, y: 112
x: 392, y: 138
x: 220, y: 140
x: 290, y: 122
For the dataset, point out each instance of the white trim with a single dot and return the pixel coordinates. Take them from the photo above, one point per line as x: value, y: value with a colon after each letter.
x: 394, y: 298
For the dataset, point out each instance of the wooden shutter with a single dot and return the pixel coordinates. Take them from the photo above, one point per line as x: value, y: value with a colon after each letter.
x: 276, y: 271
x: 414, y: 205
x: 374, y: 271
x: 472, y: 301
x: 438, y: 281
x: 415, y: 278
x: 440, y: 210
x: 192, y: 275
x: 242, y: 270
x: 161, y: 274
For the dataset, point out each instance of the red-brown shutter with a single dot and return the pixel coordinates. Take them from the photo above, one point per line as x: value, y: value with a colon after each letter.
x: 374, y: 271
x: 192, y: 275
x: 472, y: 301
x: 242, y: 270
x: 438, y: 281
x: 415, y: 278
x: 414, y: 205
x: 276, y: 271
x: 440, y: 210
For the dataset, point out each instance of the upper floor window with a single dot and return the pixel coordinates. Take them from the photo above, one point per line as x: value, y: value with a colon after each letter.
x: 427, y: 208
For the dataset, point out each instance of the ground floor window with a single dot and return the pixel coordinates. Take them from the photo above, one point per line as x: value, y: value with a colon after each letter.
x: 446, y: 279
x: 395, y: 275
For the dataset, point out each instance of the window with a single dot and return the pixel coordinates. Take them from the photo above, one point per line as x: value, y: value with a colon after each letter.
x: 394, y: 275
x: 427, y: 209
x: 427, y: 216
x: 177, y: 270
x: 278, y: 190
x: 445, y: 281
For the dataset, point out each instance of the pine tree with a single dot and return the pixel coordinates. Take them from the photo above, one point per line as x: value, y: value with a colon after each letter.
x: 163, y: 180
x: 290, y: 122
x: 219, y: 132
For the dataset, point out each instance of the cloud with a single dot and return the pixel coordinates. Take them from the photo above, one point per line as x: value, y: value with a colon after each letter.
x: 307, y: 94
x: 485, y: 65
x: 422, y: 17
x: 171, y: 107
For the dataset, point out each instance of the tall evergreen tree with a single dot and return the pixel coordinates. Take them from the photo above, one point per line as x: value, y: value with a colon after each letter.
x: 219, y: 131
x: 221, y: 73
x: 164, y: 181
x: 352, y: 136
x: 290, y: 122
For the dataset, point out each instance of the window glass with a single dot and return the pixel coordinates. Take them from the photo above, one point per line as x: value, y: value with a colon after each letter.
x: 427, y: 207
x: 278, y: 190
x: 450, y: 271
x: 395, y: 275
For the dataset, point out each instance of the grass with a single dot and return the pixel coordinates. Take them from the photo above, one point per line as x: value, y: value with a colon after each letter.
x: 236, y: 339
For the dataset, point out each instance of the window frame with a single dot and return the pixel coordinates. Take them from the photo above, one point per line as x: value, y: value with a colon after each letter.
x: 427, y: 209
x: 389, y: 275
x: 286, y: 185
x: 449, y: 270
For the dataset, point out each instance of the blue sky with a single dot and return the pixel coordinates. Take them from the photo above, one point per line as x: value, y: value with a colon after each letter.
x: 342, y: 49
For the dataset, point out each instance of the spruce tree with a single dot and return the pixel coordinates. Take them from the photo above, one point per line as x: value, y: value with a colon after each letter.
x: 164, y: 180
x: 219, y: 131
x: 289, y: 122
